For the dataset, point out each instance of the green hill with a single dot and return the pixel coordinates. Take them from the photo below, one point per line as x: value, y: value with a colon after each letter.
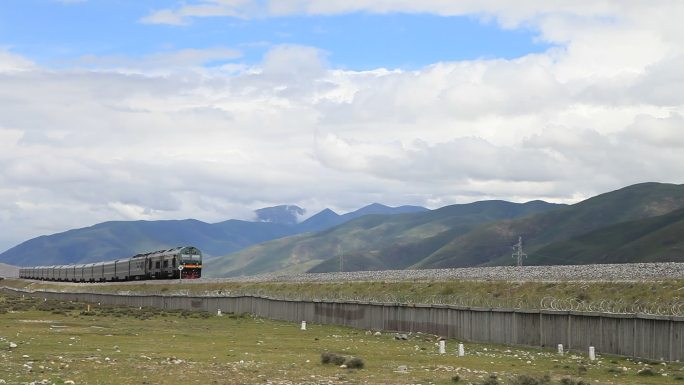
x: 491, y: 244
x: 656, y: 239
x: 372, y: 241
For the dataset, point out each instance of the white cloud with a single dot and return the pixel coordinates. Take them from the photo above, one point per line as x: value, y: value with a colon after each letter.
x: 209, y: 8
x: 293, y: 60
x: 647, y: 130
x: 509, y: 14
x: 10, y: 62
x: 163, y: 62
x: 162, y: 136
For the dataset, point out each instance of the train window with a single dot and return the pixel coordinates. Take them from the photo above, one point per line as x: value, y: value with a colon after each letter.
x: 190, y: 258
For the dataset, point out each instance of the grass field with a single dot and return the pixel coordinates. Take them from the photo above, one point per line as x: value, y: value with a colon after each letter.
x: 461, y: 292
x: 63, y: 343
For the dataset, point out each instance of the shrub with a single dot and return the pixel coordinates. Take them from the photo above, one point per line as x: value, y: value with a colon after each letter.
x: 326, y: 357
x: 646, y: 372
x: 332, y: 358
x: 354, y: 363
x: 456, y: 378
x: 570, y: 381
x: 337, y: 359
x: 529, y: 380
x: 491, y: 380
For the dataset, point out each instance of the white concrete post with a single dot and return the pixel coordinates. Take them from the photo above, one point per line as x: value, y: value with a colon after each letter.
x: 442, y: 347
x: 303, y: 325
x: 218, y: 313
x: 560, y: 348
x: 461, y: 350
x: 592, y: 353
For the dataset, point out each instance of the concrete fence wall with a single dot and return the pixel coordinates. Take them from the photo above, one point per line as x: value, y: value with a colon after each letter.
x: 639, y: 336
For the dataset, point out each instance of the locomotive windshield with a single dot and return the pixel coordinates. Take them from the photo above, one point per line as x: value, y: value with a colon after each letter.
x: 191, y: 255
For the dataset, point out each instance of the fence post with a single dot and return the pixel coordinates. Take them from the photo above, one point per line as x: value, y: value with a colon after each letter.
x: 515, y: 327
x: 541, y: 328
x: 569, y: 334
x: 669, y: 340
x: 634, y: 344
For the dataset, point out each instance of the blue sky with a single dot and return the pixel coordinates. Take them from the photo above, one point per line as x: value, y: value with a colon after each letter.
x: 210, y: 109
x: 56, y: 34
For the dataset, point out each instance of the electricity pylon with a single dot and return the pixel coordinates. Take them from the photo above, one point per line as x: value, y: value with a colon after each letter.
x: 518, y: 253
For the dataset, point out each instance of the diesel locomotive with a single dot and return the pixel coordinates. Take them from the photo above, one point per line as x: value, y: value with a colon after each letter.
x: 183, y: 262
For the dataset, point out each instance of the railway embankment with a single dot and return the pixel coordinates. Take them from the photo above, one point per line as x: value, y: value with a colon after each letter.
x: 649, y: 288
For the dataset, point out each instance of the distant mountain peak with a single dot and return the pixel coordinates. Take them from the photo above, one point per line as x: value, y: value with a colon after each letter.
x: 283, y: 214
x: 375, y: 205
x: 378, y: 208
x: 326, y: 212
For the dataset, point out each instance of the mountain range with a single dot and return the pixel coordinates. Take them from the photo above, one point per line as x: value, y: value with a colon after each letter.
x: 371, y: 242
x: 116, y: 239
x: 637, y: 223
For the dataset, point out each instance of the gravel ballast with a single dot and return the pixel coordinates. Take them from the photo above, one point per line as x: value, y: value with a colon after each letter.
x: 560, y: 273
x: 607, y: 272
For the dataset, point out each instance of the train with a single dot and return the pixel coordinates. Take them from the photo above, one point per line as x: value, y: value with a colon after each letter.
x: 184, y: 262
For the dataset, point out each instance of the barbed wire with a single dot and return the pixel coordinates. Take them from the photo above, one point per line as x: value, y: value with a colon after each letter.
x: 665, y: 308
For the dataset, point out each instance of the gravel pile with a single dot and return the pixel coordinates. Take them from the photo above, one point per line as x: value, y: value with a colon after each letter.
x: 614, y: 272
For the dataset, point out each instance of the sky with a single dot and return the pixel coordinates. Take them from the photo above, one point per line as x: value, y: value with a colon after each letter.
x: 210, y: 109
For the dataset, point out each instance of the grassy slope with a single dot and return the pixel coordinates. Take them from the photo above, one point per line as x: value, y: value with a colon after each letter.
x: 656, y: 239
x: 117, y: 345
x: 491, y: 244
x: 477, y: 293
x: 375, y: 240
